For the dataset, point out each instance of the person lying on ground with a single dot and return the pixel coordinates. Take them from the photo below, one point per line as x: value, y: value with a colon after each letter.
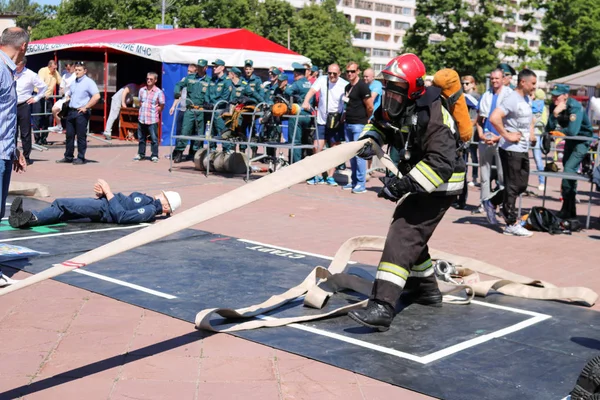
x: 106, y: 207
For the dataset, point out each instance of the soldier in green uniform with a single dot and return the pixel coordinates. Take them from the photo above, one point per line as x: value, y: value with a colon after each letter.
x: 252, y: 80
x: 272, y: 124
x: 296, y: 92
x: 219, y: 91
x: 197, y: 86
x: 569, y: 116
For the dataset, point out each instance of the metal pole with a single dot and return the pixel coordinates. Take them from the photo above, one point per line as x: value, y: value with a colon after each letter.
x: 105, y: 87
x: 164, y: 5
x: 289, y: 39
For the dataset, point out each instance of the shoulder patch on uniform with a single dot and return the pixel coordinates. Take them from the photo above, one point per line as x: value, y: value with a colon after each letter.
x: 141, y: 210
x: 572, y: 117
x: 137, y: 199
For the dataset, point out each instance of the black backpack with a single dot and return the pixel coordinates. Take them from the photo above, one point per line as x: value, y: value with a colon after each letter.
x: 543, y: 220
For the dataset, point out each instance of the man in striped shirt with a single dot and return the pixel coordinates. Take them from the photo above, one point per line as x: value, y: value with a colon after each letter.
x: 13, y: 44
x: 152, y: 102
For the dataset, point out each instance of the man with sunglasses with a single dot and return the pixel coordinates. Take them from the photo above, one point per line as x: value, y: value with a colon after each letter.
x: 84, y: 95
x: 413, y: 120
x: 330, y: 107
x: 359, y: 107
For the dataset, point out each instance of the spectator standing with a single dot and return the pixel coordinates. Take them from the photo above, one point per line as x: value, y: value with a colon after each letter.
x: 331, y: 90
x: 488, y: 138
x: 513, y: 119
x: 84, y: 95
x: 359, y: 108
x: 252, y: 80
x: 27, y: 81
x: 152, y: 102
x: 569, y: 116
x: 121, y: 99
x: 375, y: 87
x: 540, y: 119
x: 51, y: 78
x: 13, y: 44
x: 507, y: 74
x: 64, y: 90
x: 314, y: 74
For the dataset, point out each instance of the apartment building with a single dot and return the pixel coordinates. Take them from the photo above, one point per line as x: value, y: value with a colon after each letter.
x: 382, y: 25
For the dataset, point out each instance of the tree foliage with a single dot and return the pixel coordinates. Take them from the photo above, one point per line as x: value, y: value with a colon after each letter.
x: 571, y: 36
x: 319, y: 32
x: 468, y: 35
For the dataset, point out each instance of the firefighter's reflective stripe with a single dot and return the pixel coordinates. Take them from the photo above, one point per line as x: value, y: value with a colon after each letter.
x: 392, y: 273
x: 425, y: 176
x: 454, y: 184
x: 373, y: 128
x: 448, y: 120
x: 422, y: 270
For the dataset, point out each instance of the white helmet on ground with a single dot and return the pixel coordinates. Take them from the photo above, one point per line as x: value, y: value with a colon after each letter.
x: 174, y: 200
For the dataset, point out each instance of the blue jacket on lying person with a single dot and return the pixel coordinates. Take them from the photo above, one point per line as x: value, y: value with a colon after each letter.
x: 106, y: 207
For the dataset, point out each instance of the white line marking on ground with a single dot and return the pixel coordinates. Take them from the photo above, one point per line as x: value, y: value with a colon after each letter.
x: 47, y: 235
x: 127, y: 284
x: 291, y: 250
x: 536, y: 318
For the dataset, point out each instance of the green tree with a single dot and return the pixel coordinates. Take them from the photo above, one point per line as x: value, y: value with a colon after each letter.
x: 468, y: 35
x: 571, y: 35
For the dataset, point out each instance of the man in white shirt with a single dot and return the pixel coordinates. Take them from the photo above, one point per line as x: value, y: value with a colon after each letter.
x: 27, y: 81
x: 67, y: 79
x: 329, y: 112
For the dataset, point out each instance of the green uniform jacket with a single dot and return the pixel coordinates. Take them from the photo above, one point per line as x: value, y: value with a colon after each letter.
x: 255, y: 84
x: 241, y: 90
x: 197, y: 89
x: 219, y: 89
x: 297, y: 91
x: 573, y: 121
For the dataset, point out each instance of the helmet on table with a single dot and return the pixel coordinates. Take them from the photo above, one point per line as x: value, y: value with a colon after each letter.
x: 404, y: 81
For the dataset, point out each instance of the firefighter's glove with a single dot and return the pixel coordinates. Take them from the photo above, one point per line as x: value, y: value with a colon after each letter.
x: 393, y: 188
x: 367, y: 152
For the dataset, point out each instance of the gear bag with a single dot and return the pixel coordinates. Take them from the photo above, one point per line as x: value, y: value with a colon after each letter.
x: 543, y: 220
x: 449, y: 81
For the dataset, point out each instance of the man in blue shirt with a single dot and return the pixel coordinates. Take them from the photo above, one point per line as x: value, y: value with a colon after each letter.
x: 375, y: 87
x: 488, y: 140
x: 13, y: 44
x: 108, y: 207
x: 82, y: 97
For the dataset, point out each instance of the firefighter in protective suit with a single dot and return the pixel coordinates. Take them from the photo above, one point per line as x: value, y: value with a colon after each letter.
x: 413, y: 120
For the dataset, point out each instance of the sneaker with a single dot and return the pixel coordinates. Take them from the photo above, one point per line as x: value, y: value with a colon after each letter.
x: 6, y: 281
x: 330, y: 181
x: 359, y: 189
x: 64, y: 161
x: 21, y: 220
x: 317, y: 180
x: 517, y: 230
x: 107, y: 136
x: 471, y: 184
x: 490, y: 212
x: 478, y: 210
x: 541, y: 187
x: 56, y: 128
x: 154, y: 159
x: 138, y: 157
x: 79, y: 161
x: 348, y: 186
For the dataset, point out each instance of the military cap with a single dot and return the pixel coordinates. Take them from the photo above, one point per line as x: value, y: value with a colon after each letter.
x: 559, y: 89
x: 219, y: 62
x: 202, y: 63
x: 274, y: 71
x: 314, y: 68
x: 236, y: 71
x: 507, y: 69
x: 248, y: 62
x: 298, y: 67
x: 282, y: 77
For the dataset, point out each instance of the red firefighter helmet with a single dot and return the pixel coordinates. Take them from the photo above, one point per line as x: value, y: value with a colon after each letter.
x: 407, y: 68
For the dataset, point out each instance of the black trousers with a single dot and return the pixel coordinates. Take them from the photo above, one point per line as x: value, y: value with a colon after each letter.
x: 42, y: 122
x: 406, y: 252
x: 77, y: 124
x: 24, y: 127
x: 515, y: 168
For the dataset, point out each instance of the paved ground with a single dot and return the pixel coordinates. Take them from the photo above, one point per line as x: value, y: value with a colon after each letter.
x: 68, y: 343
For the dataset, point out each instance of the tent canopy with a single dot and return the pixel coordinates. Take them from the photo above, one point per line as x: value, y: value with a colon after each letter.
x: 589, y: 77
x: 182, y: 46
